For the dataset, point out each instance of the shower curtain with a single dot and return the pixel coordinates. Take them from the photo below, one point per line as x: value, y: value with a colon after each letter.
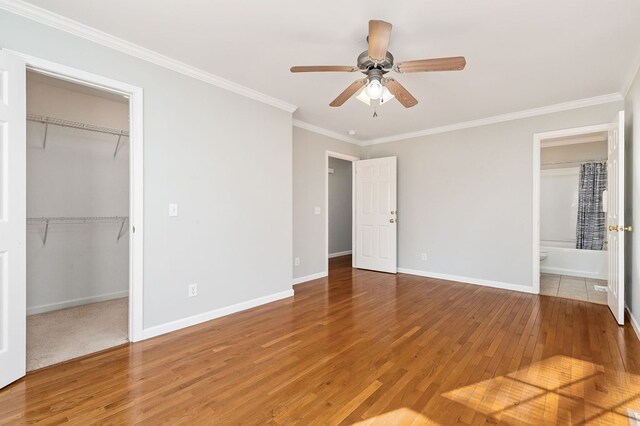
x: 590, y: 230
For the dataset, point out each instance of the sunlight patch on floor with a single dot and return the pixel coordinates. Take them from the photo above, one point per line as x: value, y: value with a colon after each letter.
x: 559, y: 389
x: 401, y: 416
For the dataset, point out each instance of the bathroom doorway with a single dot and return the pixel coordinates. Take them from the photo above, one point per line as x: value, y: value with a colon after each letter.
x: 592, y: 206
x: 572, y: 240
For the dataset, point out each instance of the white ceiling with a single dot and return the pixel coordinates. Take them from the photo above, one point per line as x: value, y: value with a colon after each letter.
x: 520, y: 54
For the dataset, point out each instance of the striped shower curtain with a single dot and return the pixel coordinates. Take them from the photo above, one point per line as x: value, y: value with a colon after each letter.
x: 590, y: 230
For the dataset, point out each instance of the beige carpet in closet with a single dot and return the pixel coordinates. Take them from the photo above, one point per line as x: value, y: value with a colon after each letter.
x: 57, y: 336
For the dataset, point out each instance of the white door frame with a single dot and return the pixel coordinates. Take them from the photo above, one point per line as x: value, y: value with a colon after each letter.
x: 353, y: 159
x: 136, y: 200
x: 538, y: 139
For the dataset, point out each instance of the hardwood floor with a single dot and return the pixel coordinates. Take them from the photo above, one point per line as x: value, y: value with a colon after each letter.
x: 358, y: 347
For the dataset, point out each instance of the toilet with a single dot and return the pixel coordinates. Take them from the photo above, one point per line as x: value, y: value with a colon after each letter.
x: 543, y: 255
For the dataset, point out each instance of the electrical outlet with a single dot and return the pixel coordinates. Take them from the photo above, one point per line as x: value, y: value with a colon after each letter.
x: 173, y: 210
x: 296, y: 261
x: 193, y: 290
x: 316, y: 210
x: 423, y: 256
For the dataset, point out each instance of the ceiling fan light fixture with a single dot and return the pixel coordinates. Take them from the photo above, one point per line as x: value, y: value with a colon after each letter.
x: 386, y: 96
x: 374, y: 89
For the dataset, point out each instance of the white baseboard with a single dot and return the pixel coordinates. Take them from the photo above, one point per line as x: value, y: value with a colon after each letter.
x: 216, y: 313
x: 340, y: 253
x: 467, y: 280
x: 309, y: 278
x: 76, y: 302
x: 572, y: 273
x: 634, y: 322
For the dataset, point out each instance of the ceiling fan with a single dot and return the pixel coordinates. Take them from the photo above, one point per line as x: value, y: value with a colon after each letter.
x: 378, y: 61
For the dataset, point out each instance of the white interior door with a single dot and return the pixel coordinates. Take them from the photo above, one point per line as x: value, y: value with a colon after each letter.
x: 615, y: 219
x: 12, y: 219
x: 376, y: 214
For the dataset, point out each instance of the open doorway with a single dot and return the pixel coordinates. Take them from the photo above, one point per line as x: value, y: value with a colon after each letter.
x: 340, y: 209
x: 600, y: 223
x: 573, y: 218
x: 78, y: 203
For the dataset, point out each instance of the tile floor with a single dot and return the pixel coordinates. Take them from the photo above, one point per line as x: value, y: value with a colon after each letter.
x: 576, y: 288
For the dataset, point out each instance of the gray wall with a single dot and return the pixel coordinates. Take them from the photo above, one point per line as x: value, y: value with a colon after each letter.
x: 309, y: 172
x: 340, y: 205
x: 632, y: 189
x: 465, y: 197
x: 76, y: 175
x: 224, y: 158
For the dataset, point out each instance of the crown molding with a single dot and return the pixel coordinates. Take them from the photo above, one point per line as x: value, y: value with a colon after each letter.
x: 566, y: 106
x: 326, y: 132
x: 580, y: 103
x: 78, y: 29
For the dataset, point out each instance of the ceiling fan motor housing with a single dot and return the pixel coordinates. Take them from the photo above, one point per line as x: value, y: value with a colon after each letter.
x: 365, y: 63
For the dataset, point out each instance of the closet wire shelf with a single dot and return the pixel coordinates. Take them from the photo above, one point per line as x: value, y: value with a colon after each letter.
x: 70, y: 220
x: 76, y: 125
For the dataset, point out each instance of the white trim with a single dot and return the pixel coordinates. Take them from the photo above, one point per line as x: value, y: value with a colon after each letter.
x: 76, y: 302
x: 634, y: 322
x: 309, y: 278
x: 322, y: 131
x: 136, y: 165
x: 537, y: 144
x: 78, y: 29
x: 216, y: 313
x: 468, y: 280
x: 353, y: 159
x: 581, y: 103
x: 340, y: 253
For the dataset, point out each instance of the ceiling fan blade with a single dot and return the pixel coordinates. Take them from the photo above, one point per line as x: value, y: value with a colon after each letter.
x: 348, y: 92
x: 438, y: 64
x: 379, y: 36
x: 324, y: 68
x: 402, y: 95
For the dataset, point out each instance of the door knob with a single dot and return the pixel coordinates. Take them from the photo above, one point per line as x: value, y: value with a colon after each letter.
x: 392, y: 220
x: 613, y: 228
x: 627, y: 228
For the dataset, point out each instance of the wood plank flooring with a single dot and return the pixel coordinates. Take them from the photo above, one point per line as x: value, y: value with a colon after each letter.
x: 358, y: 348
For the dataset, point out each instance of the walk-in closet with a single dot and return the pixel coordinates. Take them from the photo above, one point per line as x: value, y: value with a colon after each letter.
x: 77, y: 220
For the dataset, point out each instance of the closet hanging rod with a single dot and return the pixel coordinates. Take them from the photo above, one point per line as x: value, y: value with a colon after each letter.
x: 79, y: 220
x: 66, y: 219
x: 76, y: 125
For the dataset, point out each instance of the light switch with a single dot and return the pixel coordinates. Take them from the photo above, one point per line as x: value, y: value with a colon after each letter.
x: 316, y: 210
x: 173, y: 210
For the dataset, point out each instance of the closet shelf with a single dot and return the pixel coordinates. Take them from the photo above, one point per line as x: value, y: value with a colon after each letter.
x: 78, y: 220
x: 76, y: 125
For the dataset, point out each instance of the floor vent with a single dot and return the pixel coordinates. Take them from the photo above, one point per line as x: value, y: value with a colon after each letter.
x: 600, y: 288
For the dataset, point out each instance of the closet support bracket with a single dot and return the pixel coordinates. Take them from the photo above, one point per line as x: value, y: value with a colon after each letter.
x: 122, y: 230
x: 44, y: 140
x: 46, y: 232
x: 115, y: 152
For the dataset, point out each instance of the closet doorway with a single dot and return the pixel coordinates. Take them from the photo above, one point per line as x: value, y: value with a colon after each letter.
x: 78, y: 180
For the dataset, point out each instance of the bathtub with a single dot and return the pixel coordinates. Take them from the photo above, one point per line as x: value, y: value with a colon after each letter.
x: 564, y: 259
